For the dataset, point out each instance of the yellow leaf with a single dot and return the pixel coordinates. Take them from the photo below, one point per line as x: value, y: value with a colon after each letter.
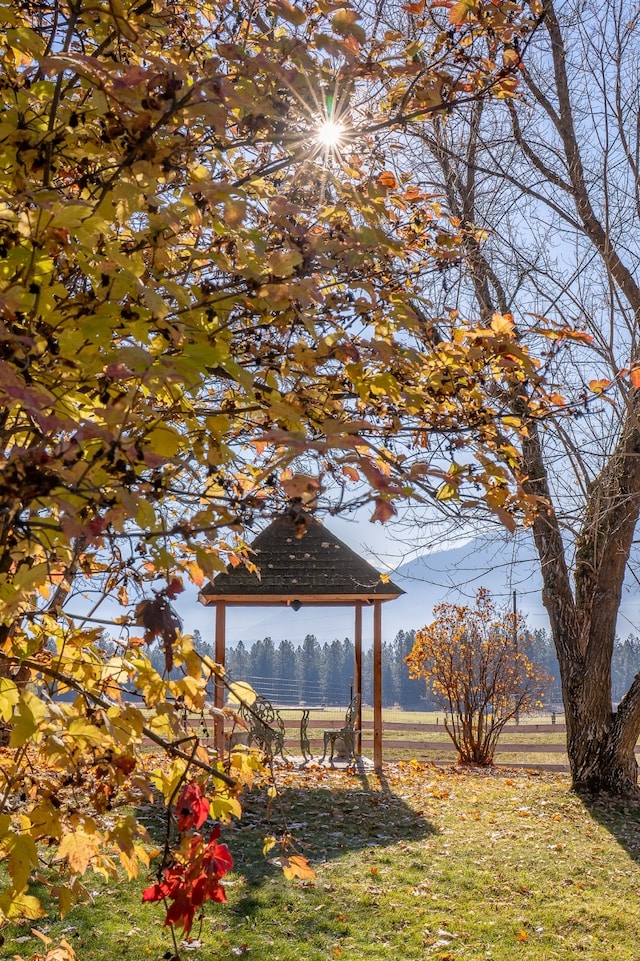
x: 282, y: 263
x: 29, y: 715
x: 269, y: 842
x: 295, y: 867
x: 446, y: 492
x: 241, y: 693
x: 19, y: 906
x: 288, y: 12
x: 22, y: 857
x: 196, y: 573
x: 461, y: 11
x: 502, y: 323
x: 82, y: 730
x: 45, y: 822
x: 164, y: 441
x: 9, y: 697
x: 224, y: 807
x: 79, y: 849
x: 345, y: 24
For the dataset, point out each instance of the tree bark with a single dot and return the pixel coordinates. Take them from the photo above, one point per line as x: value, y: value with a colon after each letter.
x: 582, y: 602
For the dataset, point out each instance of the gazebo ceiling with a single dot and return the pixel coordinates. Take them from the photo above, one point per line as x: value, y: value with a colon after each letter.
x: 300, y: 561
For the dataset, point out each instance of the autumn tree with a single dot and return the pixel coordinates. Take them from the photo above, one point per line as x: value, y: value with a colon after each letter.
x: 206, y: 309
x: 544, y: 190
x: 476, y: 663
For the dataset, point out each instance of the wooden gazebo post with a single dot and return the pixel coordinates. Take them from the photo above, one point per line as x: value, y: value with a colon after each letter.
x: 218, y: 685
x: 301, y: 562
x: 377, y: 685
x: 357, y: 671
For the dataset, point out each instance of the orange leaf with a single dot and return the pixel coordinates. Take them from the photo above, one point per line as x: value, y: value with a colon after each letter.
x: 461, y: 11
x: 634, y: 375
x: 598, y: 386
x: 522, y: 936
x: 351, y: 473
x: 387, y: 179
x: 295, y: 867
x: 415, y: 7
x: 196, y: 573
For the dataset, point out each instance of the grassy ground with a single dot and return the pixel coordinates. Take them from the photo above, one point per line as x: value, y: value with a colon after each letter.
x: 421, y: 864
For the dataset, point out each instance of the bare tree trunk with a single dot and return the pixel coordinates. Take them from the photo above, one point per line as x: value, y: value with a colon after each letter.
x: 582, y: 597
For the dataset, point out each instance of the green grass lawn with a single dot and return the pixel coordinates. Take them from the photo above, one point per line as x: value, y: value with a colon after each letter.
x: 421, y: 864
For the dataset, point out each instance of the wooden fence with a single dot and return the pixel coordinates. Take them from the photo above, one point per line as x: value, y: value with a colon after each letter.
x: 529, y: 744
x: 426, y: 742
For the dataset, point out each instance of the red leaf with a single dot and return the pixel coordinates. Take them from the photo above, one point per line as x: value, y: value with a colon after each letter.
x: 218, y: 856
x: 384, y: 510
x: 159, y: 620
x: 174, y: 588
x: 192, y: 808
x: 197, y: 878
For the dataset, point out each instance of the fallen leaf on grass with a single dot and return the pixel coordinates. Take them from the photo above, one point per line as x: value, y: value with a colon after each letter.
x: 295, y: 867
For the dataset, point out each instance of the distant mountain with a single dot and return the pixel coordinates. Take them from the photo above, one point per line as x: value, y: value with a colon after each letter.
x: 455, y: 575
x: 448, y: 575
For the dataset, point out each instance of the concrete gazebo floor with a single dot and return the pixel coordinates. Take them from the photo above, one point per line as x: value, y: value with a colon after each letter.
x: 360, y: 764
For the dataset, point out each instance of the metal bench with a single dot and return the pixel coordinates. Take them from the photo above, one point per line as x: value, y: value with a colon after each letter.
x: 266, y: 727
x: 346, y: 734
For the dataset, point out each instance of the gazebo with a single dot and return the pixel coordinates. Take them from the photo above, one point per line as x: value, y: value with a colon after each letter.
x: 301, y: 562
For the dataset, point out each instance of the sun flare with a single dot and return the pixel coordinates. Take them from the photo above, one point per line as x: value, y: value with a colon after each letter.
x: 330, y: 134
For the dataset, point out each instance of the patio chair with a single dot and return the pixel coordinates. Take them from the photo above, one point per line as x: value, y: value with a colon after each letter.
x: 346, y: 734
x: 266, y: 727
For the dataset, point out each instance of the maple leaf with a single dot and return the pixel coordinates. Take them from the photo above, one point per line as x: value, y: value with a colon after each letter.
x: 174, y: 588
x: 79, y: 849
x: 188, y: 885
x: 217, y: 855
x: 159, y: 620
x: 384, y: 510
x: 387, y: 179
x: 295, y: 866
x: 192, y: 807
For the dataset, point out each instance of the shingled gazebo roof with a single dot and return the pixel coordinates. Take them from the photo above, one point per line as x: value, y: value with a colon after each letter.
x: 300, y: 560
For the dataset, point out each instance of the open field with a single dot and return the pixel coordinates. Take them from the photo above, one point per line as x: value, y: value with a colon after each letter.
x: 422, y: 863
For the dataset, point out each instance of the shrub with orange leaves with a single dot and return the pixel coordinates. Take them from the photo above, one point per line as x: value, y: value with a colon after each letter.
x: 476, y: 664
